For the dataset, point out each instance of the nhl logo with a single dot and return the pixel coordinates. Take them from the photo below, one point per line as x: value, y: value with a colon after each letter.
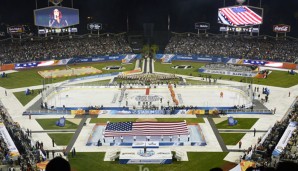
x: 56, y: 2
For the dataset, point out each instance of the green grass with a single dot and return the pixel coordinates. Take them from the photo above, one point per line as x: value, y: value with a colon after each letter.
x: 243, y: 123
x: 202, y: 161
x: 25, y: 99
x: 231, y: 138
x: 62, y: 138
x: 188, y: 120
x: 159, y: 67
x: 30, y: 77
x: 48, y: 124
x: 276, y: 78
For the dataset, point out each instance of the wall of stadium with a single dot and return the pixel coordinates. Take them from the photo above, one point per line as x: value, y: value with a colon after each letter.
x: 165, y: 58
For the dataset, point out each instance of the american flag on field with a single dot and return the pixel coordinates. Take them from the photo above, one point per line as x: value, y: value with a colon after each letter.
x: 117, y: 129
x: 238, y: 16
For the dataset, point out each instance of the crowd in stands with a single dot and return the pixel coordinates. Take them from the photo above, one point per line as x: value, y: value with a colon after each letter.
x: 290, y: 153
x: 58, y: 48
x: 29, y: 154
x: 152, y: 78
x: 234, y: 46
x: 262, y: 152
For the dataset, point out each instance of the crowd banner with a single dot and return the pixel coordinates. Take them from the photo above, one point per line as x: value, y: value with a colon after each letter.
x: 13, y: 151
x: 233, y: 73
x: 166, y: 58
x: 129, y: 58
x: 284, y: 139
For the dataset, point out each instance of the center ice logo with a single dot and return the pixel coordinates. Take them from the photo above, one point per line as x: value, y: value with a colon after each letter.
x: 147, y: 98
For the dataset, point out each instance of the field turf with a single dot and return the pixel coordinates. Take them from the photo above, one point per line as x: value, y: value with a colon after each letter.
x: 202, y: 161
x: 243, y: 123
x: 231, y: 138
x: 50, y: 124
x: 276, y: 78
x: 30, y: 77
x: 62, y: 138
x: 24, y: 99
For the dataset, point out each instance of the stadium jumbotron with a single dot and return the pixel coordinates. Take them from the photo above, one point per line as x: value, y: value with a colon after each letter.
x: 148, y: 86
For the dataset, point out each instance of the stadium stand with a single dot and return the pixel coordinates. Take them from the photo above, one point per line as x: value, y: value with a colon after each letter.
x: 26, y: 50
x: 261, y: 48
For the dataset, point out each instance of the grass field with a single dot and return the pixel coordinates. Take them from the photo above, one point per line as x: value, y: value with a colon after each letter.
x: 30, y: 77
x: 276, y: 78
x: 62, y: 138
x: 48, y: 124
x: 231, y: 138
x: 243, y: 123
x: 24, y: 99
x: 197, y: 161
x: 168, y: 67
x: 188, y: 120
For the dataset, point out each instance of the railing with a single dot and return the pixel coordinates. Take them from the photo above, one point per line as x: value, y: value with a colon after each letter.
x: 47, y: 112
x: 248, y: 111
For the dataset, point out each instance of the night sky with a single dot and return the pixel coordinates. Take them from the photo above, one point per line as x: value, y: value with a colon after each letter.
x: 183, y: 13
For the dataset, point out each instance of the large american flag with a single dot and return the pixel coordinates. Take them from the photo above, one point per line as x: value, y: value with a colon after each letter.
x: 116, y: 129
x: 238, y: 16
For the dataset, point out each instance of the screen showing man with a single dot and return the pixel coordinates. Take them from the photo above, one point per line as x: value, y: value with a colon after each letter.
x: 56, y: 17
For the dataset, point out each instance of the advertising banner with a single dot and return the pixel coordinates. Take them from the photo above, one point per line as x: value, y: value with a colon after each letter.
x: 233, y: 73
x: 139, y: 156
x: 284, y: 139
x: 13, y: 151
x: 6, y: 67
x: 94, y: 26
x: 240, y: 29
x: 202, y: 26
x: 15, y: 29
x: 281, y: 28
x: 129, y: 58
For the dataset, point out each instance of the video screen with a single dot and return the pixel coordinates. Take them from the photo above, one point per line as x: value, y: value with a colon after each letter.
x: 240, y: 16
x: 56, y: 17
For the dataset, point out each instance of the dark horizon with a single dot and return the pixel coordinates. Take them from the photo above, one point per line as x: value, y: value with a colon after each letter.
x: 113, y: 14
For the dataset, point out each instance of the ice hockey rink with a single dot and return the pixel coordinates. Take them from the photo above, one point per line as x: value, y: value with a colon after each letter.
x: 137, y: 96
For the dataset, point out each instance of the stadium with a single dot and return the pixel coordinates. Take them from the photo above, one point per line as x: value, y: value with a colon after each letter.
x: 148, y: 86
